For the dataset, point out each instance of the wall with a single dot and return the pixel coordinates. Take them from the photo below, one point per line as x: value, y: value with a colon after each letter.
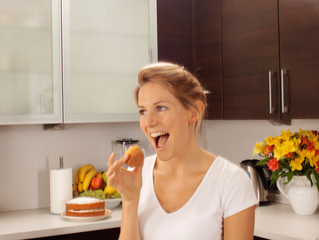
x: 28, y: 152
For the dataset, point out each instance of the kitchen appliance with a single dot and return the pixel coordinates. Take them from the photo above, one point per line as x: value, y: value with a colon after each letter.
x: 260, y: 179
x: 121, y: 145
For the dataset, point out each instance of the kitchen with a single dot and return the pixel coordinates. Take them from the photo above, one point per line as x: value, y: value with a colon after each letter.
x: 29, y: 151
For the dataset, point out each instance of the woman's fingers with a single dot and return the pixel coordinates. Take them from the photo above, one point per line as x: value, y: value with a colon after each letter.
x: 111, y: 159
x: 115, y: 167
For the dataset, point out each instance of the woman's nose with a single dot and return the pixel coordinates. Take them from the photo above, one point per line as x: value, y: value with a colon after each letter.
x: 150, y: 119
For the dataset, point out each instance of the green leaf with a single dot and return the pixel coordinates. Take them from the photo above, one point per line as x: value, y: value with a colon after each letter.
x: 262, y: 162
x: 316, y: 177
x: 289, y: 176
x: 309, y: 178
x: 274, y: 177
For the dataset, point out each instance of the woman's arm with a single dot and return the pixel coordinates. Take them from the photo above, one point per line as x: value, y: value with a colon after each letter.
x: 128, y: 184
x: 240, y: 226
x: 129, y: 222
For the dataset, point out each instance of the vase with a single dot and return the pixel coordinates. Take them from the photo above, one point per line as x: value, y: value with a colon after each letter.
x: 303, y: 197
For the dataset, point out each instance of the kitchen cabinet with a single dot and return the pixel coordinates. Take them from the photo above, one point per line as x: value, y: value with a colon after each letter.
x: 189, y: 33
x: 109, y: 234
x: 105, y: 44
x: 270, y: 59
x: 175, y: 21
x: 73, y: 61
x: 258, y: 59
x: 30, y: 63
x: 208, y: 58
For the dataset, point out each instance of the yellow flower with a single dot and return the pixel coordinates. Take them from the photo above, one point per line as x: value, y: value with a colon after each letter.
x: 270, y: 141
x: 286, y: 135
x: 311, y: 157
x: 258, y: 148
x: 296, y: 142
x: 301, y: 153
x: 296, y: 164
x: 284, y: 148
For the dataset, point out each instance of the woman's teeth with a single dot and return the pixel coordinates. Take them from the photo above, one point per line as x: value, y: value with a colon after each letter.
x: 156, y: 134
x: 160, y: 138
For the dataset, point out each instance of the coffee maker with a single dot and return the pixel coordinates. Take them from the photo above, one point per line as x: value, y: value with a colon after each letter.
x: 260, y: 179
x: 120, y: 146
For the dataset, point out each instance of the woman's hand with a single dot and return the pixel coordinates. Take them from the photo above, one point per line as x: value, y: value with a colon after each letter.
x: 127, y: 182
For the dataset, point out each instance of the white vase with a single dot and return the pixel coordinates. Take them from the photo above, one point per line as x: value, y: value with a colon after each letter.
x: 303, y: 197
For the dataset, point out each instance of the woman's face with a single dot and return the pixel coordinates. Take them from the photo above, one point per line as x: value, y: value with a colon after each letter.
x: 164, y: 120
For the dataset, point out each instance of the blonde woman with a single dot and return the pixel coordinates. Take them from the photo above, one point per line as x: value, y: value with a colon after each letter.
x: 183, y: 191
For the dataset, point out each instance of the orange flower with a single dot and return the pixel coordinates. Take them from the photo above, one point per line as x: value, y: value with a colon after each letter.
x: 290, y: 155
x: 268, y: 149
x: 273, y: 164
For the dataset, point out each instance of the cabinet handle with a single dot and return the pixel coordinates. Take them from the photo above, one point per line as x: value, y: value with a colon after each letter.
x: 283, y: 107
x: 150, y: 53
x: 270, y: 92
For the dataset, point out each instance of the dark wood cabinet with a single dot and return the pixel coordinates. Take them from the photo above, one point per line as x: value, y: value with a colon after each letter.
x: 299, y: 57
x: 250, y: 51
x: 208, y: 54
x: 270, y: 59
x: 175, y: 21
x: 189, y: 33
x: 259, y: 59
x: 110, y: 234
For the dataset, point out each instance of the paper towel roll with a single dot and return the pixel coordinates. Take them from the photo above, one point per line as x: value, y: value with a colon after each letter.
x: 60, y: 189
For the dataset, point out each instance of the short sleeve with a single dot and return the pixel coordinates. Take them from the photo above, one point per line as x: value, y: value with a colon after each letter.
x: 238, y: 193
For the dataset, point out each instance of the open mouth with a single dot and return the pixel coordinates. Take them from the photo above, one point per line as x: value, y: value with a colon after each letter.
x: 160, y: 139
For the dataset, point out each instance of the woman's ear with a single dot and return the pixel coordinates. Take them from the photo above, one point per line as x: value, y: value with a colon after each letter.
x: 197, y: 111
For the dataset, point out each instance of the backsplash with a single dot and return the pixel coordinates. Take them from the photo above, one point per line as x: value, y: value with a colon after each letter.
x: 28, y: 152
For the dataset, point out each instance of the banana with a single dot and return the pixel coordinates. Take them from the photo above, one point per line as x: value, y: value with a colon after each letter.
x: 76, y: 177
x: 84, y: 170
x: 80, y: 187
x: 88, y: 178
x: 75, y: 187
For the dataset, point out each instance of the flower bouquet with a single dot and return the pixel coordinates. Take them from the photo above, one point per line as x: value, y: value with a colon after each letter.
x: 291, y: 154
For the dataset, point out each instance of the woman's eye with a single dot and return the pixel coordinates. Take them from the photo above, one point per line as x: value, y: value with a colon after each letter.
x: 142, y: 112
x: 161, y: 108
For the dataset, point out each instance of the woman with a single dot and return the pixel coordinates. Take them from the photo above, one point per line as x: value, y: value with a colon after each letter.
x: 182, y: 192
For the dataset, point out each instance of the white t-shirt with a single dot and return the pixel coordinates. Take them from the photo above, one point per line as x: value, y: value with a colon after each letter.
x: 225, y: 190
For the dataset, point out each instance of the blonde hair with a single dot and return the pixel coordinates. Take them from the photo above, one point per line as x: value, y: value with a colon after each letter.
x: 180, y: 82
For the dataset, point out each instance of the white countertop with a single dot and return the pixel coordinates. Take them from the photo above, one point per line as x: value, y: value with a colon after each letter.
x: 276, y: 222
x: 280, y: 222
x: 40, y: 223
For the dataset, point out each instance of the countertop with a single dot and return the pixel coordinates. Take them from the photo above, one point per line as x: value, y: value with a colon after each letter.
x: 41, y: 223
x: 276, y: 222
x: 279, y: 222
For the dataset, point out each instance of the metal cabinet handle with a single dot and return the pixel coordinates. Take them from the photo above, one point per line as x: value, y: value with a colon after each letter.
x: 284, y: 109
x: 150, y: 53
x: 270, y: 92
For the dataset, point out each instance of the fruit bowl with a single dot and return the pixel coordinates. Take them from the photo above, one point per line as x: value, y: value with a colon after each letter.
x: 111, y: 203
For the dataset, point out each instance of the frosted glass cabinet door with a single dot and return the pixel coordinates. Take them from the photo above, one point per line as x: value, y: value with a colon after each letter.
x: 30, y: 75
x: 105, y: 43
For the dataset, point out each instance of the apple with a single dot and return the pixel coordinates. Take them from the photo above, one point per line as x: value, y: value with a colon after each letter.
x: 99, y: 175
x: 97, y: 183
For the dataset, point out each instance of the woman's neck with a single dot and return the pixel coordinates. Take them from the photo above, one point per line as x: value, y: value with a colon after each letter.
x: 191, y: 161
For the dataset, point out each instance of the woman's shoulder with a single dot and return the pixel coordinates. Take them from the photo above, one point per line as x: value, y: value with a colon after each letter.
x: 229, y: 169
x: 224, y: 163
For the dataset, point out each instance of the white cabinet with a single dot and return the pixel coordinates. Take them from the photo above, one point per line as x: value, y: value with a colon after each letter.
x: 105, y: 43
x: 99, y: 44
x: 30, y: 62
